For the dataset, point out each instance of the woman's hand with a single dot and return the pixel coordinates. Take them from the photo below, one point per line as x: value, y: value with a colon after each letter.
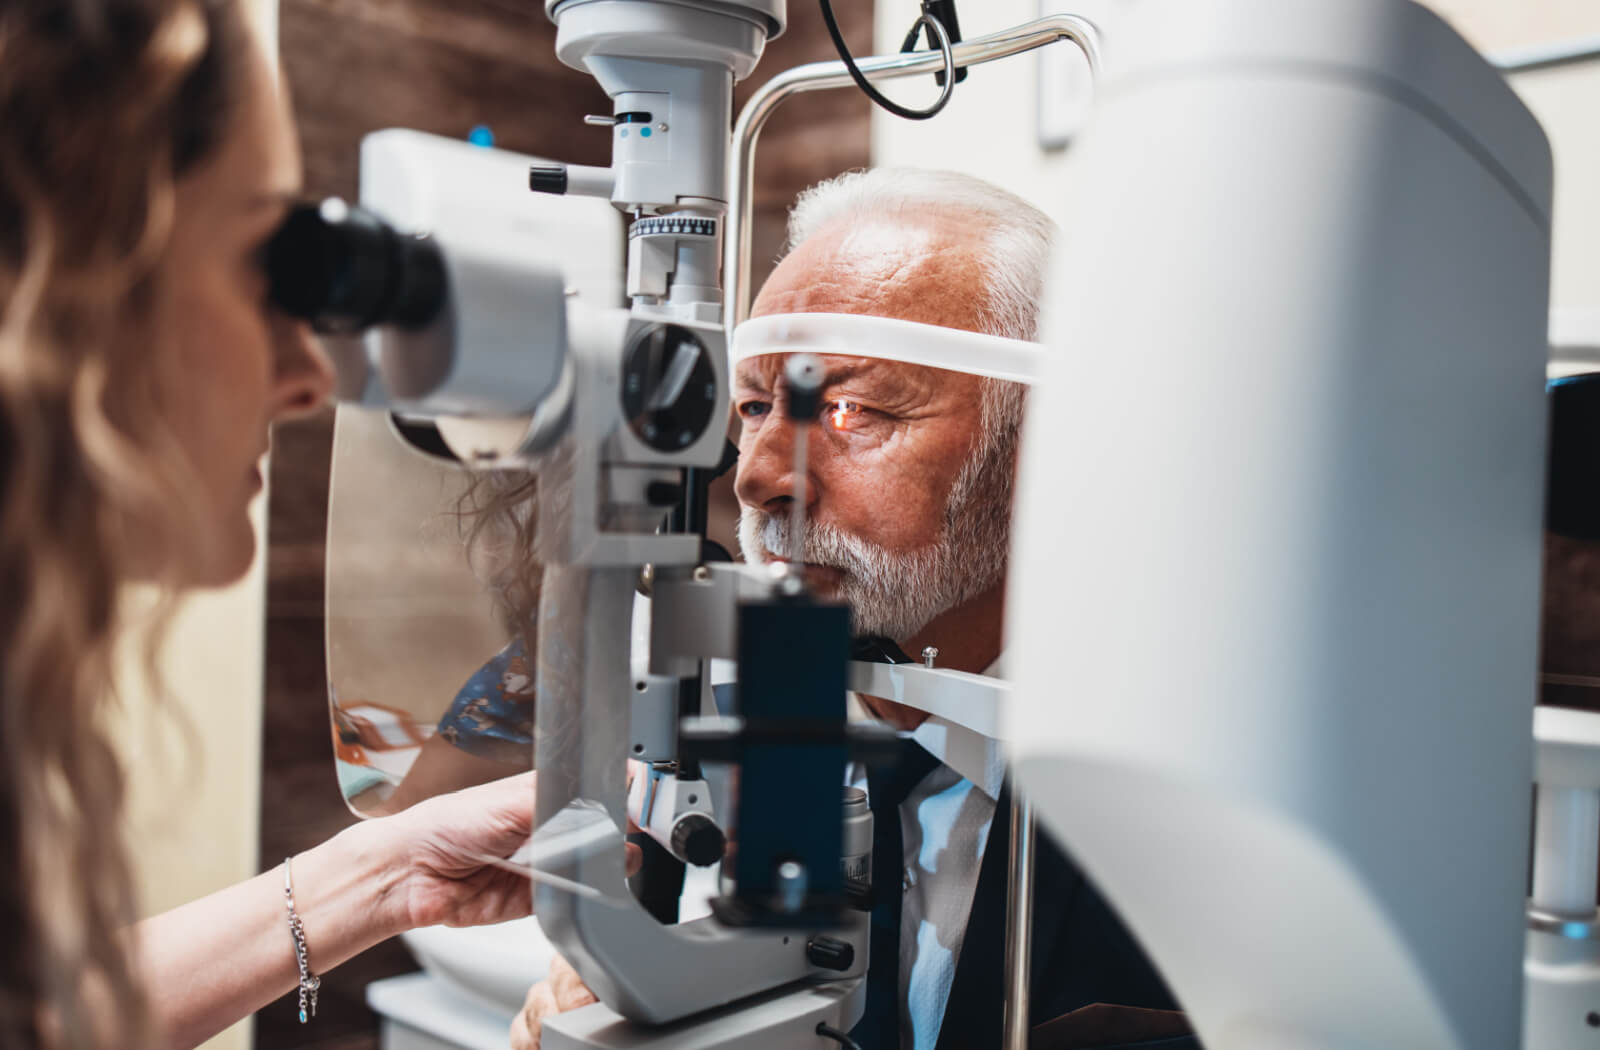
x: 447, y: 846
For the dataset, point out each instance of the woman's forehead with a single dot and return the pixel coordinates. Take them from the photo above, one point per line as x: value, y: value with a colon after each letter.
x: 259, y: 156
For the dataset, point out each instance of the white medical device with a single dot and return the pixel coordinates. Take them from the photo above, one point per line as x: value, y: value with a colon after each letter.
x: 1280, y: 522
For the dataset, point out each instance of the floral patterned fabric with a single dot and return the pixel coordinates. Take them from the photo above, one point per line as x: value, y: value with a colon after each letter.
x: 493, y: 712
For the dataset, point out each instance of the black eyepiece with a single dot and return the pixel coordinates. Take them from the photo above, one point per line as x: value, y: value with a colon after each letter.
x: 343, y: 269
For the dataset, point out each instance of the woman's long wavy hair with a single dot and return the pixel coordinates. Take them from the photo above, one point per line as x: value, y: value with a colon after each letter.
x: 498, y: 518
x: 104, y: 104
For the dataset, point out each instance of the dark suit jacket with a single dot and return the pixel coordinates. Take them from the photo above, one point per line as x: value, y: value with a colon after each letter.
x: 1082, y: 955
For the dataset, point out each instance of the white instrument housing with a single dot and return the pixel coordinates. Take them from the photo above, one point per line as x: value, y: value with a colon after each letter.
x: 1276, y: 601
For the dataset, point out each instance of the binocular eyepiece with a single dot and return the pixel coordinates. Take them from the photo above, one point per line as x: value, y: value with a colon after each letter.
x: 343, y: 270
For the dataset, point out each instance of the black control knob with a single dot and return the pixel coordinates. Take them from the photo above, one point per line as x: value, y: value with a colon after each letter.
x: 830, y: 953
x: 697, y: 839
x: 669, y: 388
x: 548, y: 178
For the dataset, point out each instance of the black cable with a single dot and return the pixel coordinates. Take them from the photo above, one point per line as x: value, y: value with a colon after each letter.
x: 945, y: 12
x: 837, y: 1036
x: 925, y: 19
x: 909, y: 44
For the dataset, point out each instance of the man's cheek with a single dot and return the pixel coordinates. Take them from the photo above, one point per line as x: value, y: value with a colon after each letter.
x: 894, y: 512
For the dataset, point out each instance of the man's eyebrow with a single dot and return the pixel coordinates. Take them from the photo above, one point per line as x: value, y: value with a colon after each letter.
x: 854, y: 370
x: 750, y: 379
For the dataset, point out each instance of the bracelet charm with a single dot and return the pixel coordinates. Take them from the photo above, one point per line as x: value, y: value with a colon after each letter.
x: 309, y: 982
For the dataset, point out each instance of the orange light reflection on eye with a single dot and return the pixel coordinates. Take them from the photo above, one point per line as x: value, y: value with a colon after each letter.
x: 842, y: 413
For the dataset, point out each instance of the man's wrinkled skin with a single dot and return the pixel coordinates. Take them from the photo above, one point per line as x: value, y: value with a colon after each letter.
x: 883, y: 461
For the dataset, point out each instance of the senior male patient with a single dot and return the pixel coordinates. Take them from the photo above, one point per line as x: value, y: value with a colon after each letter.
x: 908, y: 504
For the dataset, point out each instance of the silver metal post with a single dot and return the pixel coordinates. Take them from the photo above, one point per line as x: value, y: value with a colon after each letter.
x: 802, y: 377
x: 1548, y: 56
x: 797, y: 510
x: 1019, y: 922
x: 818, y: 76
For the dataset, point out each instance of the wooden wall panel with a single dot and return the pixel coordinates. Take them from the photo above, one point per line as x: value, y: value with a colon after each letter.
x: 355, y: 66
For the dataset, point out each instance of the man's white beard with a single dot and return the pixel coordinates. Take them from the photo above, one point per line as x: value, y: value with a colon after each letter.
x: 892, y: 594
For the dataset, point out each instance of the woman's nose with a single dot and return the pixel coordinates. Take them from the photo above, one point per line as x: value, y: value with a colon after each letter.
x: 304, y: 375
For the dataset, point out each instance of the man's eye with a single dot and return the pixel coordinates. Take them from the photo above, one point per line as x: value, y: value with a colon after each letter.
x: 754, y: 409
x: 842, y: 415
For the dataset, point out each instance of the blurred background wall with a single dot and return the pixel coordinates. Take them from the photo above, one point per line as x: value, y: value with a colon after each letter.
x: 998, y: 106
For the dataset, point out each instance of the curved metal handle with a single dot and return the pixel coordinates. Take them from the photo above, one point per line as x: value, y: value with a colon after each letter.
x: 819, y: 76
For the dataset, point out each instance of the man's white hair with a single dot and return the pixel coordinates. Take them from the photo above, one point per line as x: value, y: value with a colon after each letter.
x: 1019, y: 234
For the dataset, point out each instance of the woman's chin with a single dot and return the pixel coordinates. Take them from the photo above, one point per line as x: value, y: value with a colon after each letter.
x: 224, y: 562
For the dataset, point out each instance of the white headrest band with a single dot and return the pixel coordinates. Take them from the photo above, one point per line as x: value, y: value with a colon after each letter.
x: 860, y: 335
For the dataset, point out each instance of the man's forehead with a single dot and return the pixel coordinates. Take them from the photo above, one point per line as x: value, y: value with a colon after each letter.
x: 929, y: 269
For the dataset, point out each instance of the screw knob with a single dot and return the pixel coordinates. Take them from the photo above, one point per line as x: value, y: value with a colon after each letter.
x: 697, y: 839
x: 830, y: 953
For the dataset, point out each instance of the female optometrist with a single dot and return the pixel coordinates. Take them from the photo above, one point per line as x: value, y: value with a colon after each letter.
x: 145, y: 159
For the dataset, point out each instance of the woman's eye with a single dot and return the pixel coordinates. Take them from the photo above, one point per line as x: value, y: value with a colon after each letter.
x: 842, y: 415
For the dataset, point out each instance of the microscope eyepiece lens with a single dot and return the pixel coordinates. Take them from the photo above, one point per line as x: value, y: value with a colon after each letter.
x: 343, y: 269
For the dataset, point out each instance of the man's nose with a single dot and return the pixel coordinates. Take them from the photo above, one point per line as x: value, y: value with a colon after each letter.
x: 766, y: 474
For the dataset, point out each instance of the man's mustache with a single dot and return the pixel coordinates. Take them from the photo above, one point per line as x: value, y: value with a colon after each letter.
x: 827, y: 546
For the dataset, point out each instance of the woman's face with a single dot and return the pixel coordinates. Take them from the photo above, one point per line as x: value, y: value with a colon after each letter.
x: 231, y: 363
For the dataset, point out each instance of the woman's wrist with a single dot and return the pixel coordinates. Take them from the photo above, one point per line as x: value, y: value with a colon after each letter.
x: 351, y: 893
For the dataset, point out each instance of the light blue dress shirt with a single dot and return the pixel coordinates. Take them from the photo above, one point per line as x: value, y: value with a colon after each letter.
x: 945, y: 824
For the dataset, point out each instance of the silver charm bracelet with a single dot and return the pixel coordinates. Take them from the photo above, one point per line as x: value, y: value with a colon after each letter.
x: 309, y: 982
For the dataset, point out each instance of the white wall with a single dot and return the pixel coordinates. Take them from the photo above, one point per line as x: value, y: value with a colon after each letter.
x: 988, y: 129
x: 194, y: 826
x: 1566, y: 101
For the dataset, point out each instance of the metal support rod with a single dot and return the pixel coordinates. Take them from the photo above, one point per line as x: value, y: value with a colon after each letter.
x: 797, y: 509
x: 1548, y: 56
x: 1019, y: 922
x: 819, y: 76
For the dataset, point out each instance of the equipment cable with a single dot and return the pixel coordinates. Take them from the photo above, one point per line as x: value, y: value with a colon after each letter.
x: 837, y: 1036
x: 935, y: 27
